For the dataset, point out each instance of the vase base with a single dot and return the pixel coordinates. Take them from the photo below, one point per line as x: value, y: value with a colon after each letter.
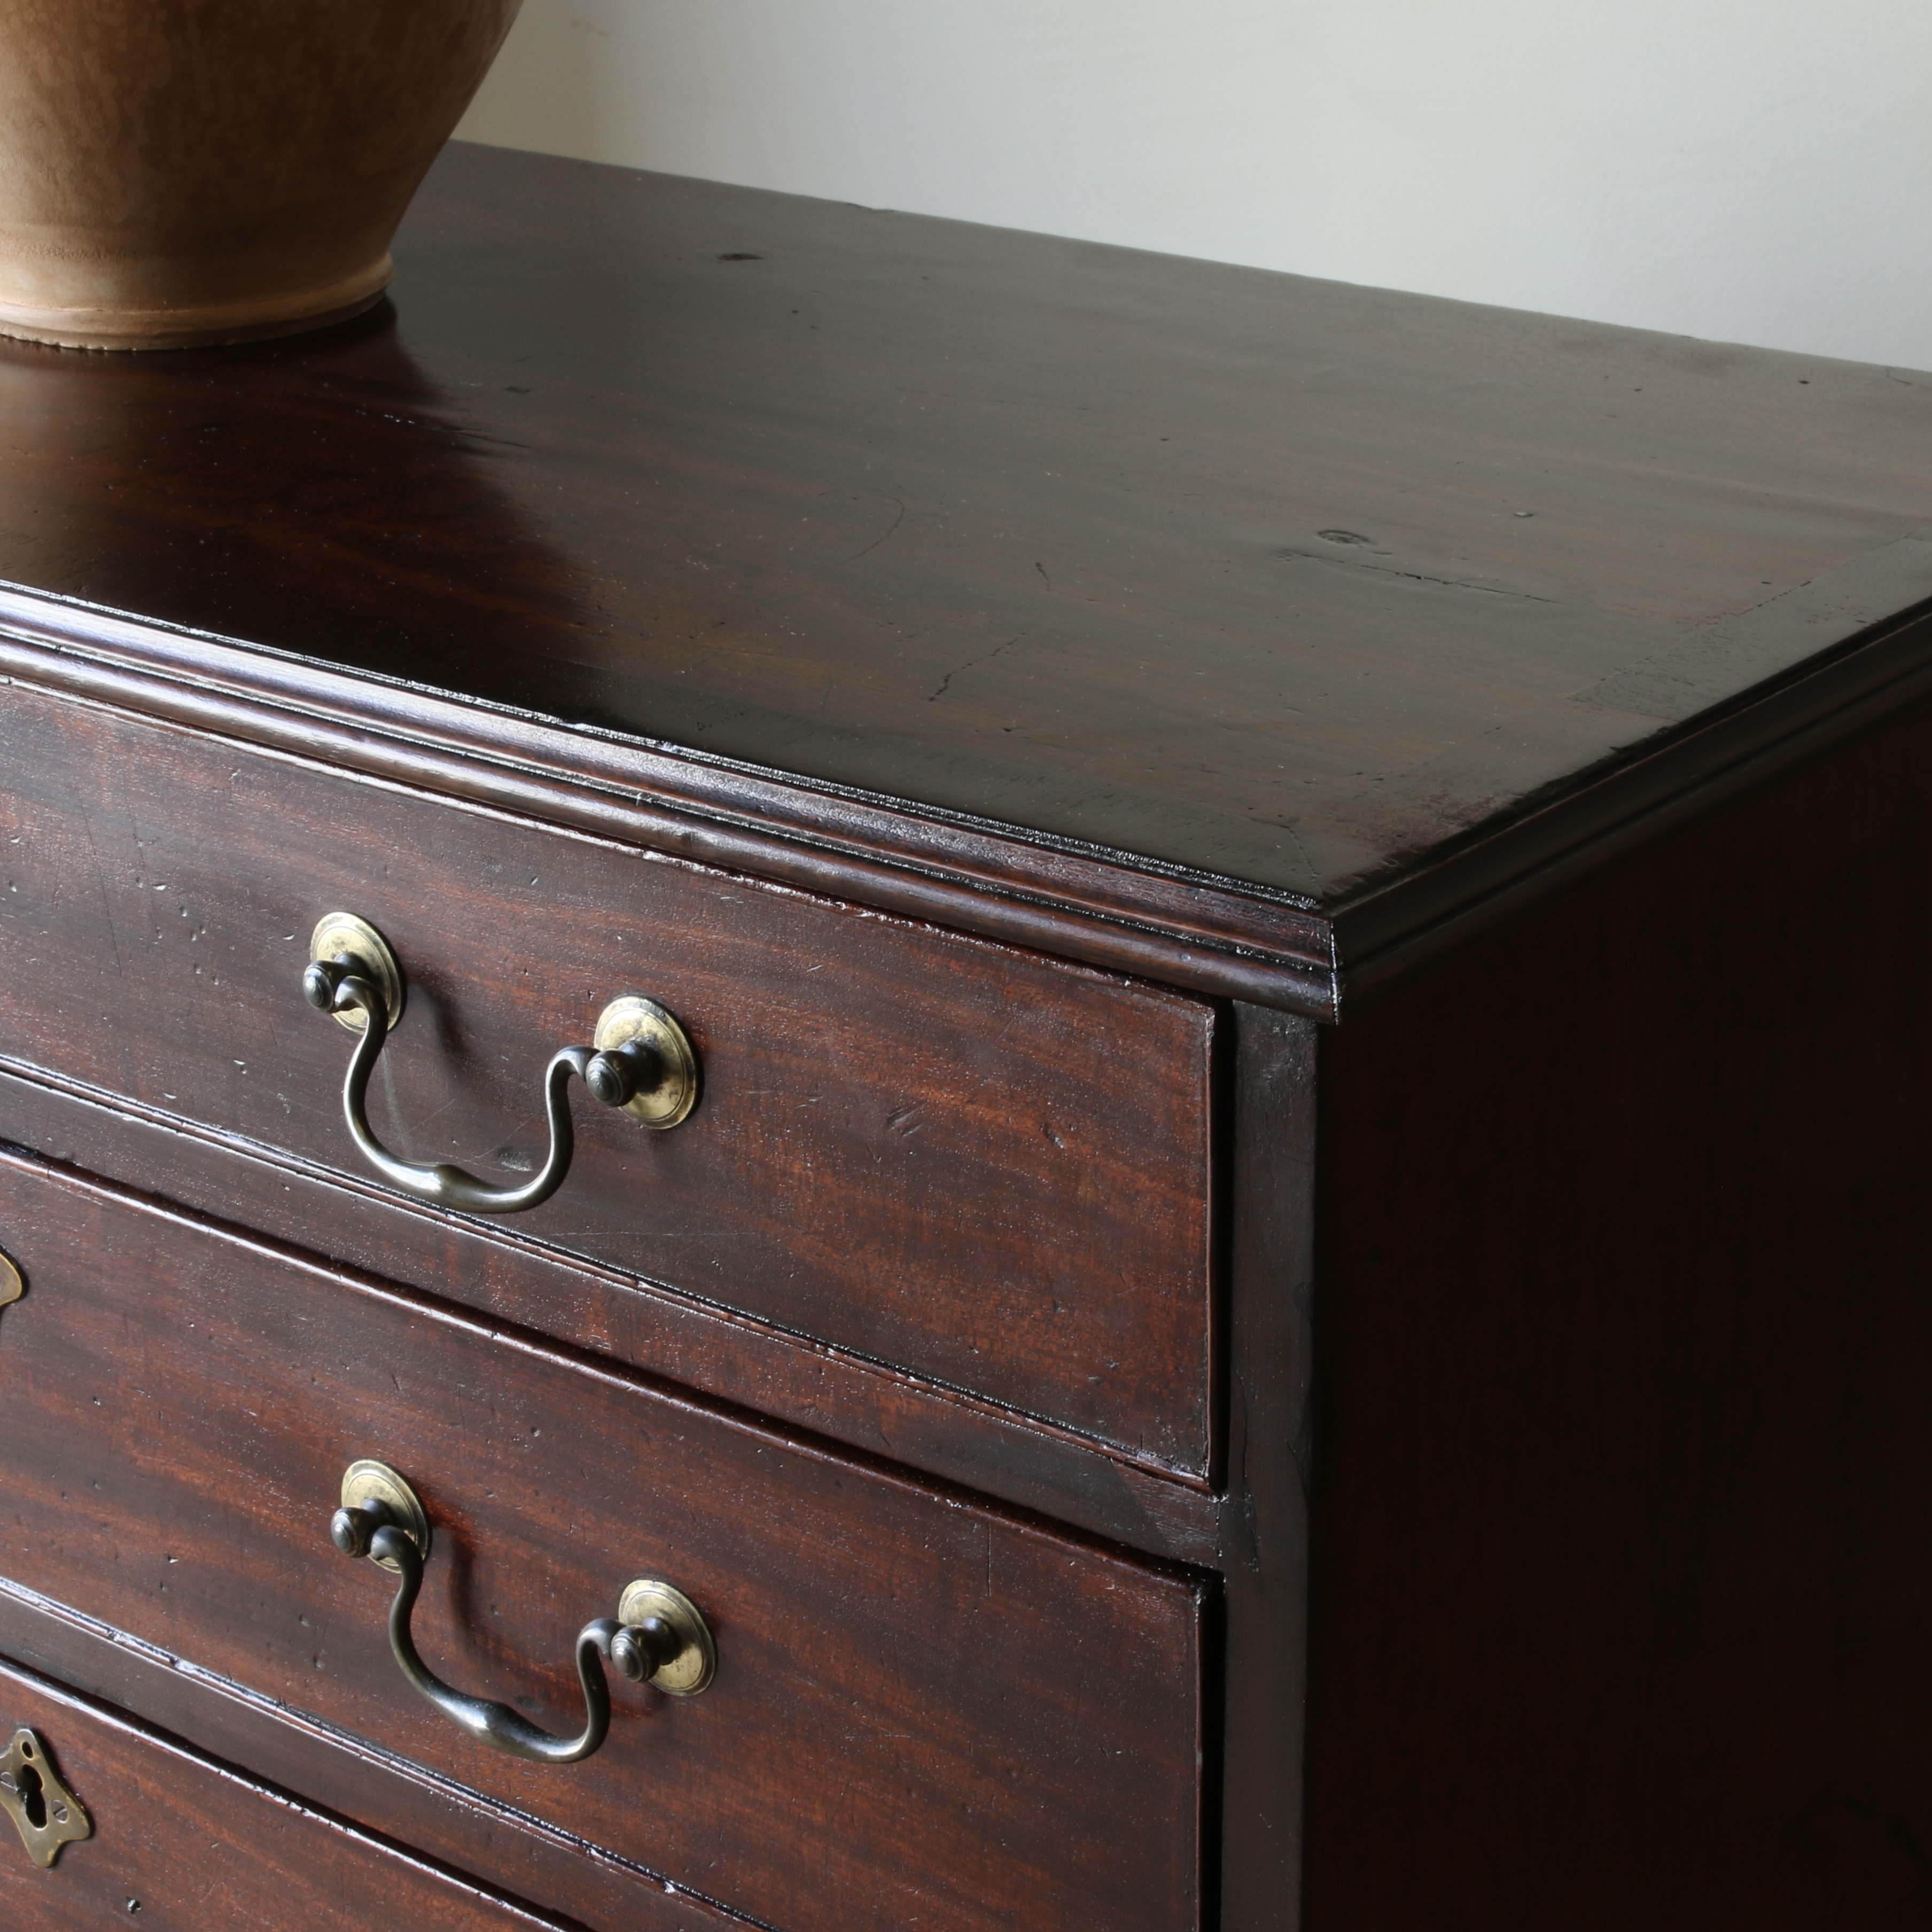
x: 123, y: 329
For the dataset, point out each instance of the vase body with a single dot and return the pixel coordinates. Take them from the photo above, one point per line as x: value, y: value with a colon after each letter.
x: 182, y: 171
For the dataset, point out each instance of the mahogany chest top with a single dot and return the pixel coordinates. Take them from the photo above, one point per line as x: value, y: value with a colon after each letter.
x: 1292, y: 1290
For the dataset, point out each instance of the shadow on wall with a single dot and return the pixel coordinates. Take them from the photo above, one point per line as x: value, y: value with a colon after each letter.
x: 1633, y: 161
x: 566, y: 84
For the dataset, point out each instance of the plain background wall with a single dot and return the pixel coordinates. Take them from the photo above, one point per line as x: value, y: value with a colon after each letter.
x: 1755, y: 170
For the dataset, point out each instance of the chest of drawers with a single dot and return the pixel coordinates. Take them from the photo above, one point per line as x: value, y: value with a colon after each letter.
x: 1292, y: 1293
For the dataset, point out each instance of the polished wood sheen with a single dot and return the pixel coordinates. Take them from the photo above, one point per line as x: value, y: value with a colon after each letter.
x: 906, y: 1685
x: 932, y: 1177
x: 1294, y: 586
x: 1296, y: 1302
x: 348, y: 1776
x: 182, y: 1842
x: 845, y: 1397
x: 1620, y: 1573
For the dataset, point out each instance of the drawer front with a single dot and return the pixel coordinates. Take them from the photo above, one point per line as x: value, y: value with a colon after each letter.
x: 965, y: 1161
x: 925, y: 1712
x: 180, y: 1844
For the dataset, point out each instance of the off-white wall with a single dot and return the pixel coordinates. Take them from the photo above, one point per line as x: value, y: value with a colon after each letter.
x: 1758, y: 170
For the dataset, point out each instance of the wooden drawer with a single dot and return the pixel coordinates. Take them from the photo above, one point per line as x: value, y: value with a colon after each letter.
x: 180, y: 1843
x: 932, y: 1151
x: 926, y: 1712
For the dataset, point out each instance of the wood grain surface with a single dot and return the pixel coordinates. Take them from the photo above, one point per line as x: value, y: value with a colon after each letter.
x: 748, y: 602
x: 1284, y: 580
x: 489, y: 1267
x: 953, y: 1157
x: 925, y: 1712
x: 517, y: 1852
x: 182, y: 1844
x: 1624, y: 1464
x: 1211, y: 936
x: 1264, y: 1556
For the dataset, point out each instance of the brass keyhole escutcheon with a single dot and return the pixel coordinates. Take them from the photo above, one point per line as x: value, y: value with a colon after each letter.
x: 45, y: 1813
x: 12, y: 1286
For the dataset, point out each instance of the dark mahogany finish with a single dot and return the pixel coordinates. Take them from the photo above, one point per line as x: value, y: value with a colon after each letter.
x: 1397, y: 1402
x: 913, y: 1146
x: 1624, y: 1462
x: 182, y: 1843
x: 349, y: 1776
x: 1190, y: 612
x: 905, y: 1685
x: 490, y: 1267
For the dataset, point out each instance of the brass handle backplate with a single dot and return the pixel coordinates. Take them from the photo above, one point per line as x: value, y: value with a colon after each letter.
x: 45, y: 1813
x: 658, y: 1635
x: 639, y: 1059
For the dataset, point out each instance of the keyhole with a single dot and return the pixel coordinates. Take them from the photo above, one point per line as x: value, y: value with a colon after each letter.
x: 33, y: 1797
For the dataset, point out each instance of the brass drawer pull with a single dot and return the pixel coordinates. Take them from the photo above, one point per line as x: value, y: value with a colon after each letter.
x: 657, y: 1637
x: 639, y: 1059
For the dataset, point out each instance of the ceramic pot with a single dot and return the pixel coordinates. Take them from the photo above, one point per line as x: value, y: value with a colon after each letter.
x: 179, y: 172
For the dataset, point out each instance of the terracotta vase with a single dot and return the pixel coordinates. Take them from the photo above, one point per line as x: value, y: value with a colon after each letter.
x: 181, y: 171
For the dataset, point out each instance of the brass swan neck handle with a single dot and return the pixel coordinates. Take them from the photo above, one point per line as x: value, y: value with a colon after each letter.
x: 657, y: 1637
x: 641, y: 1061
x: 337, y: 986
